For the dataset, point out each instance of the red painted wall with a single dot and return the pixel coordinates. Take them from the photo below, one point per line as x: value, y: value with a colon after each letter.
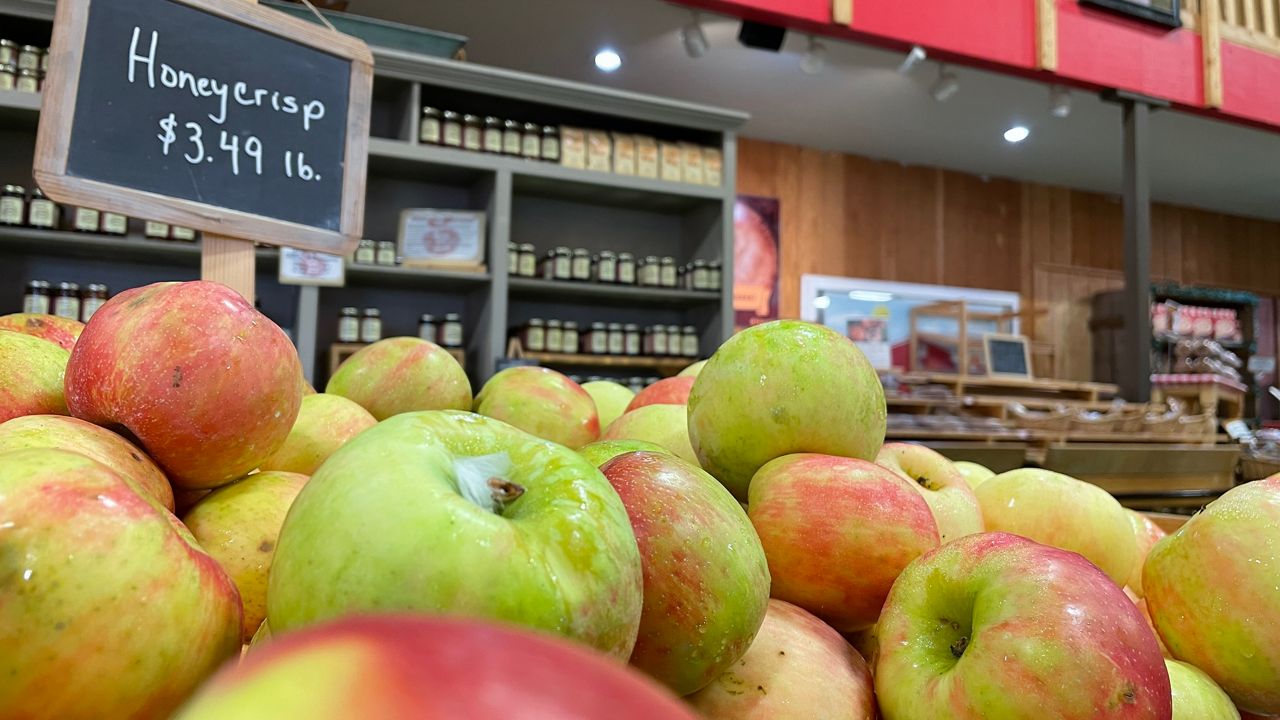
x: 997, y: 31
x: 1250, y: 84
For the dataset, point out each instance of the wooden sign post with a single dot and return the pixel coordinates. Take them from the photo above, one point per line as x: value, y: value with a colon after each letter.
x: 218, y: 115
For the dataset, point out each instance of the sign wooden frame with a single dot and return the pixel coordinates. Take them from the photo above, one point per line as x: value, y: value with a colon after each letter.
x: 57, y: 116
x: 1026, y: 355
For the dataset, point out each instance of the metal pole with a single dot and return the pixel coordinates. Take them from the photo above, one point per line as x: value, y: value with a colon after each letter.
x: 1135, y: 377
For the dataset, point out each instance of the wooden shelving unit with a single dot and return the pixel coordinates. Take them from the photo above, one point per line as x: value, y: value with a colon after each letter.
x: 535, y: 288
x: 665, y: 366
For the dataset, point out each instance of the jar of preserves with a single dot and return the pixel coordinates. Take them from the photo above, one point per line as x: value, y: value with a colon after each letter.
x: 626, y: 268
x: 569, y: 337
x: 94, y: 297
x: 714, y: 275
x: 371, y: 325
x: 8, y: 52
x: 550, y: 143
x: 617, y: 340
x: 44, y: 63
x: 650, y: 272
x: 66, y: 301
x: 631, y: 339
x: 606, y: 267
x: 115, y: 224
x: 427, y: 329
x: 597, y: 340
x: 28, y: 81
x: 471, y: 133
x: 689, y: 341
x: 366, y: 252
x: 581, y: 266
x: 451, y: 331
x: 656, y: 340
x: 674, y: 340
x: 528, y: 265
x: 349, y: 325
x: 86, y: 220
x: 512, y: 141
x: 635, y: 384
x: 701, y: 276
x: 13, y: 205
x: 41, y: 211
x: 29, y: 58
x: 534, y: 336
x: 667, y: 272
x: 182, y: 234
x: 157, y: 231
x: 451, y: 129
x: 429, y: 126
x: 555, y: 336
x: 513, y: 258
x: 386, y: 253
x: 531, y: 142
x: 37, y: 298
x: 8, y: 76
x: 492, y: 142
x: 561, y: 264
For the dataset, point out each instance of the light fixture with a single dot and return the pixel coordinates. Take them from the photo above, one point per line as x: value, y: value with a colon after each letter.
x: 1059, y: 101
x: 822, y: 302
x: 870, y: 295
x: 914, y: 58
x: 608, y: 60
x: 1016, y: 134
x: 946, y: 86
x: 695, y: 40
x: 815, y: 59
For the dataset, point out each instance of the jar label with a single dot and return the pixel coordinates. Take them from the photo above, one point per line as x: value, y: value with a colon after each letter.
x: 551, y: 149
x: 370, y: 330
x: 689, y: 346
x: 668, y: 275
x: 536, y: 339
x: 7, y: 80
x: 527, y: 263
x: 42, y: 214
x: 493, y: 140
x: 365, y: 256
x: 11, y: 210
x: 27, y: 83
x: 35, y: 304
x: 659, y: 343
x: 607, y: 270
x: 157, y: 229
x: 555, y: 340
x: 115, y: 223
x: 430, y: 131
x: 28, y: 61
x: 627, y: 274
x: 471, y: 138
x: 386, y: 257
x: 452, y: 134
x: 633, y: 344
x: 348, y: 329
x: 569, y: 341
x: 453, y: 334
x: 89, y: 307
x: 562, y: 269
x: 67, y: 307
x: 531, y: 146
x: 511, y: 143
x: 86, y: 219
x: 581, y: 268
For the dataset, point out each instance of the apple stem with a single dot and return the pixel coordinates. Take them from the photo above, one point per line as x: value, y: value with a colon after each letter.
x: 504, y: 491
x: 958, y: 647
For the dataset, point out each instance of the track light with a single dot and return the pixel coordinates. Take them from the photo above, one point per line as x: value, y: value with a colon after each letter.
x: 1059, y: 101
x: 815, y: 59
x: 914, y: 58
x: 946, y: 86
x: 695, y: 40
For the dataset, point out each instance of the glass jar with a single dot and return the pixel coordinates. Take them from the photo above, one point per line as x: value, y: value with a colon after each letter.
x: 36, y: 300
x: 617, y: 340
x: 606, y: 267
x: 626, y: 269
x: 28, y: 81
x: 386, y: 254
x: 597, y: 341
x: 44, y: 63
x: 511, y: 138
x: 656, y: 340
x: 531, y: 142
x: 451, y: 129
x: 86, y: 220
x: 156, y: 231
x: 701, y: 276
x: 555, y: 336
x: 650, y: 272
x: 492, y: 141
x: 667, y: 272
x: 366, y: 252
x: 635, y: 384
x: 8, y: 52
x: 561, y: 264
x: 689, y: 342
x: 371, y: 326
x: 513, y: 258
x: 8, y: 76
x: 551, y: 143
x: 66, y: 301
x: 429, y: 126
x: 13, y: 205
x: 631, y: 339
x: 348, y: 325
x: 714, y: 277
x: 534, y: 336
x: 427, y: 329
x: 182, y: 234
x: 29, y: 58
x: 581, y: 265
x: 451, y: 331
x: 115, y: 224
x: 569, y: 337
x: 471, y: 134
x: 528, y: 265
x: 674, y: 340
x: 94, y: 297
x: 41, y: 211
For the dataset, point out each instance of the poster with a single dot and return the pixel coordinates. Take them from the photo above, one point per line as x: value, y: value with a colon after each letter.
x: 755, y: 261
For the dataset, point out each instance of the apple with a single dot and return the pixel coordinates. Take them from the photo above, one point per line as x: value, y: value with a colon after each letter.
x: 706, y: 582
x: 836, y: 532
x: 1147, y: 533
x: 797, y: 668
x: 325, y: 423
x: 541, y: 402
x: 997, y: 626
x: 54, y: 328
x: 238, y: 525
x: 109, y: 609
x: 668, y: 391
x: 611, y: 400
x: 662, y: 425
x: 692, y: 370
x: 1057, y: 510
x: 973, y: 473
x: 1196, y: 696
x: 419, y: 668
x: 402, y: 374
x: 865, y: 642
x: 205, y: 382
x: 950, y: 498
x: 1213, y: 590
x: 783, y: 387
x: 602, y: 451
x: 108, y: 448
x: 455, y: 513
x: 31, y: 376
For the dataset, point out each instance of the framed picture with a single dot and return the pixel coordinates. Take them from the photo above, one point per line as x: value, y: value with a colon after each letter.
x: 1007, y: 356
x: 441, y: 238
x: 1162, y: 12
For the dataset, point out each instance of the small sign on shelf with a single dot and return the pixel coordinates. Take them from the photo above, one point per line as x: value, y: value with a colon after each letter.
x: 308, y: 267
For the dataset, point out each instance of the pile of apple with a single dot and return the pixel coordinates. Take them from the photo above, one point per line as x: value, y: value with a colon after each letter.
x: 736, y: 542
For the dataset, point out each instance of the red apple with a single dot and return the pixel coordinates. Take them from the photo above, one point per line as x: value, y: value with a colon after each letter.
x: 61, y: 331
x: 402, y: 374
x: 706, y: 581
x: 798, y: 668
x: 325, y: 423
x: 208, y: 384
x: 668, y: 391
x: 108, y: 608
x: 419, y: 668
x: 837, y: 532
x: 541, y: 402
x: 31, y: 376
x: 68, y: 433
x: 1147, y: 534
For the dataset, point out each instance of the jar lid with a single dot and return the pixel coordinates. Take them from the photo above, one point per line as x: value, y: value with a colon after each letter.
x: 673, y: 328
x: 668, y: 260
x: 716, y: 263
x: 32, y: 48
x: 366, y: 242
x: 526, y: 247
x: 28, y: 73
x: 597, y: 326
x: 699, y: 263
x: 561, y: 249
x: 68, y: 286
x: 570, y: 325
x: 651, y: 258
x: 426, y: 318
x: 12, y: 189
x: 607, y: 254
x: 450, y: 115
x: 631, y: 327
x: 349, y: 311
x: 385, y: 244
x: 452, y: 317
x: 512, y: 246
x: 469, y: 118
x: 615, y: 326
x: 511, y: 124
x: 625, y: 256
x: 536, y: 322
x: 581, y: 252
x: 97, y: 287
x: 553, y: 323
x: 427, y: 110
x: 549, y: 128
x: 8, y: 43
x: 38, y: 284
x: 489, y: 119
x: 690, y: 329
x: 530, y: 127
x: 372, y: 312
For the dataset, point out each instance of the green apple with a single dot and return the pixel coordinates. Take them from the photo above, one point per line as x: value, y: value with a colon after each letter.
x: 542, y: 402
x: 1147, y: 533
x: 942, y: 486
x: 325, y: 423
x: 999, y: 627
x: 662, y: 425
x: 1058, y: 510
x: 693, y: 370
x: 779, y: 388
x: 31, y: 376
x: 973, y: 473
x: 611, y: 400
x: 451, y: 512
x: 602, y: 451
x: 402, y: 374
x: 1196, y: 696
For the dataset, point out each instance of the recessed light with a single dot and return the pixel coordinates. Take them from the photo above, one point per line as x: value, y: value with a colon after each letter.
x: 1016, y: 134
x: 608, y: 60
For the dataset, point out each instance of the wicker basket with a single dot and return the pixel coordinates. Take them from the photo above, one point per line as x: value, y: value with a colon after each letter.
x: 1256, y: 468
x: 1056, y: 419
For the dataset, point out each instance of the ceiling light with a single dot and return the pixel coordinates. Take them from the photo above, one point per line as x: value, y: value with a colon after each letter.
x: 695, y: 40
x: 1059, y: 101
x: 914, y: 58
x: 822, y: 303
x: 946, y: 86
x: 815, y: 59
x: 608, y: 60
x: 1016, y: 134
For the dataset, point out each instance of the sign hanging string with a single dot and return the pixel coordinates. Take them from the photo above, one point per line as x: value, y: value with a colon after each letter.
x: 320, y: 15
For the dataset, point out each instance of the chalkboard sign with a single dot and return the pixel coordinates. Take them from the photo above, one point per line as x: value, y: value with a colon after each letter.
x: 214, y: 114
x: 1007, y: 355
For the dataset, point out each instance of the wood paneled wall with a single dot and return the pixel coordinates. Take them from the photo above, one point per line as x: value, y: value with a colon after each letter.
x: 848, y: 215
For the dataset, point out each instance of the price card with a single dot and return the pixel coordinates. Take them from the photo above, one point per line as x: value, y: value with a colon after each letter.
x: 308, y: 267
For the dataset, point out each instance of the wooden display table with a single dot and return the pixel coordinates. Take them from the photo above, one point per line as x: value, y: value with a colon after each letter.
x: 1216, y: 394
x: 1149, y: 476
x: 1031, y: 388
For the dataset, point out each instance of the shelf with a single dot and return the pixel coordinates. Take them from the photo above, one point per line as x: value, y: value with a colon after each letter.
x: 95, y: 246
x: 1167, y: 340
x: 1067, y: 388
x: 662, y: 365
x: 630, y: 295
x: 1047, y: 436
x: 19, y: 109
x: 415, y: 278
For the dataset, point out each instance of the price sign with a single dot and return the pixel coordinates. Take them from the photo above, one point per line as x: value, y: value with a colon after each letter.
x: 308, y: 267
x: 214, y: 114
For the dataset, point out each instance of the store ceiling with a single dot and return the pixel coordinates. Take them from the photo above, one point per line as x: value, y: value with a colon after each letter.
x: 859, y: 104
